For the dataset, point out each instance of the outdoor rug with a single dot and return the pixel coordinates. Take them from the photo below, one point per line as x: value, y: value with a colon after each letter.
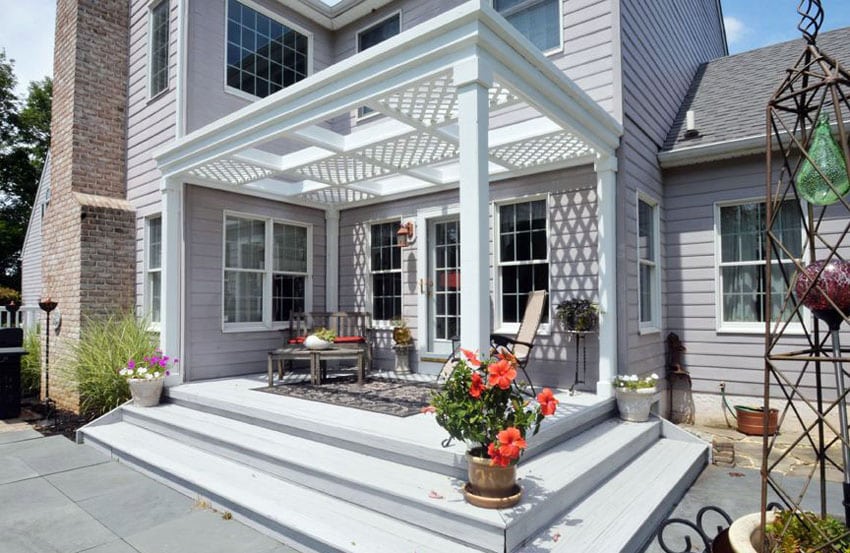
x: 400, y: 399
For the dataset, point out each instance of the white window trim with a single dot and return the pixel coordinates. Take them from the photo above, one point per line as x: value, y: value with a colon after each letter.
x: 501, y: 326
x: 551, y: 51
x: 266, y: 324
x: 370, y: 293
x: 758, y: 328
x: 359, y: 115
x: 654, y: 325
x: 238, y: 92
x: 151, y: 7
x: 146, y: 293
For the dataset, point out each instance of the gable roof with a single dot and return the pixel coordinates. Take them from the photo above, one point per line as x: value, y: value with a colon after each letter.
x: 729, y: 98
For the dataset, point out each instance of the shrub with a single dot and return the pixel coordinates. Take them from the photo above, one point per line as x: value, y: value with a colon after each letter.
x: 104, y: 347
x: 31, y: 363
x: 7, y: 295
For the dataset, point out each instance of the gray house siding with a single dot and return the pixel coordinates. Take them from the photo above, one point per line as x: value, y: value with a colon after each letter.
x: 150, y: 124
x: 713, y: 356
x: 31, y: 252
x: 572, y: 262
x: 663, y: 44
x: 210, y: 352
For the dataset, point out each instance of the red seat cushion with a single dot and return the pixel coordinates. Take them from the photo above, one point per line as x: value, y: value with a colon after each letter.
x: 349, y: 340
x: 297, y: 340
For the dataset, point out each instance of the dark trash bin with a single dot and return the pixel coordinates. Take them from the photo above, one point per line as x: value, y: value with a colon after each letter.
x: 11, y: 340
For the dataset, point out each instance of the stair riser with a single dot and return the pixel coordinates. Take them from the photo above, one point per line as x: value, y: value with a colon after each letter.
x: 473, y: 532
x: 543, y: 515
x: 439, y: 461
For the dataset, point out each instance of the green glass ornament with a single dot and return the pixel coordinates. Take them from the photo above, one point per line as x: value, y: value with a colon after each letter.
x: 825, y: 152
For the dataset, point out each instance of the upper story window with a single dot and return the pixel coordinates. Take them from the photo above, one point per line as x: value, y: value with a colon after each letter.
x: 523, y: 256
x: 386, y: 271
x: 741, y: 263
x: 649, y: 298
x: 376, y: 34
x: 264, y: 55
x: 538, y: 20
x: 159, y: 23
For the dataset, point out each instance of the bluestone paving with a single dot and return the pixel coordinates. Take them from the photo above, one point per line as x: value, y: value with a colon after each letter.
x: 202, y: 531
x: 117, y: 546
x: 18, y: 436
x: 53, y: 454
x: 14, y: 469
x: 97, y: 480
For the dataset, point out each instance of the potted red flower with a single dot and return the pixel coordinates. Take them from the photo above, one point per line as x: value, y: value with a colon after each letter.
x: 483, y: 405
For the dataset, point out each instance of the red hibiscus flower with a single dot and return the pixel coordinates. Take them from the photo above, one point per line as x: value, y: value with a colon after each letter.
x: 511, y: 443
x: 548, y: 402
x: 502, y: 373
x: 471, y: 357
x: 496, y: 457
x: 477, y: 386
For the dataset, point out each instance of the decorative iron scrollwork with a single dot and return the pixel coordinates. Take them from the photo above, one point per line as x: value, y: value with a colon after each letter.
x: 811, y: 19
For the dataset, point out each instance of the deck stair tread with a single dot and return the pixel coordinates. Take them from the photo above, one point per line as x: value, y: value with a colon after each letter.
x: 342, y: 526
x: 620, y: 516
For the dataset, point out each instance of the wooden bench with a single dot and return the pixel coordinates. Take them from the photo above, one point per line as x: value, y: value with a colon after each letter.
x: 353, y: 330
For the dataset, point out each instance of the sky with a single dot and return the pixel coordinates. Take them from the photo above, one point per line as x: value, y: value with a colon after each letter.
x: 26, y: 29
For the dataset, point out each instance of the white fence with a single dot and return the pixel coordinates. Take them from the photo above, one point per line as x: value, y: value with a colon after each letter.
x: 25, y: 317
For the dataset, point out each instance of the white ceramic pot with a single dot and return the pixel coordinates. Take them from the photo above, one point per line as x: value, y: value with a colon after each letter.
x: 634, y: 405
x: 314, y: 342
x: 745, y: 535
x: 146, y: 393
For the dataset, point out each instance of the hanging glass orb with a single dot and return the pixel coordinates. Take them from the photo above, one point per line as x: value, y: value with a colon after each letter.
x: 825, y: 152
x: 834, y: 282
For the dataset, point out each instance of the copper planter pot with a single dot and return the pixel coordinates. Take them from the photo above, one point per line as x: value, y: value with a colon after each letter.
x: 751, y: 420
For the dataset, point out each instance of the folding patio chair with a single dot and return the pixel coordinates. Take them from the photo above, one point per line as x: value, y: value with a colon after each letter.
x: 520, y: 346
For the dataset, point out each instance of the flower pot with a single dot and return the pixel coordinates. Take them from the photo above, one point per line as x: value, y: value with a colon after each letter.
x: 314, y: 342
x: 634, y: 405
x: 751, y: 420
x: 745, y: 534
x: 402, y: 358
x: 146, y: 393
x: 491, y: 486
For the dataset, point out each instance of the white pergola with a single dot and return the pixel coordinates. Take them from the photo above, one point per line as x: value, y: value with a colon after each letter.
x: 466, y: 99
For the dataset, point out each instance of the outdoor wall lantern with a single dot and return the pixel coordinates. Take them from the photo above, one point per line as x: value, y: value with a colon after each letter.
x: 405, y: 234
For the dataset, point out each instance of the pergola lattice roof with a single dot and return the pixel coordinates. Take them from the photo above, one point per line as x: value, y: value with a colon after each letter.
x: 412, y: 80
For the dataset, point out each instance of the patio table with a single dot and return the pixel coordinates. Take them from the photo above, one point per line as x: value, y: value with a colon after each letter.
x: 315, y: 356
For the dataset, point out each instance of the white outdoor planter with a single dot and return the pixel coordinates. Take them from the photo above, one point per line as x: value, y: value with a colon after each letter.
x: 314, y: 342
x: 146, y: 393
x: 745, y: 534
x: 634, y: 405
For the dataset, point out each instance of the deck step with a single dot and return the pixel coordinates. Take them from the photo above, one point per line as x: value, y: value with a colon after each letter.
x: 299, y: 516
x: 622, y: 515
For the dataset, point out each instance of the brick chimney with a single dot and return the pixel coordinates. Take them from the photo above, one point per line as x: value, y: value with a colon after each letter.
x: 89, y: 232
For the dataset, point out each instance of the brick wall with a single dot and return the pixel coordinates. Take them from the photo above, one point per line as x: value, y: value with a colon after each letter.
x: 89, y: 227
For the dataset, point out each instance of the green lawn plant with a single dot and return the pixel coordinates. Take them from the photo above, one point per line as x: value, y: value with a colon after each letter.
x: 31, y: 363
x: 104, y: 347
x: 805, y: 532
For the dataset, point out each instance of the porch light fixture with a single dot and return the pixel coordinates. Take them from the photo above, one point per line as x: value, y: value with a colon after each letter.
x: 405, y: 234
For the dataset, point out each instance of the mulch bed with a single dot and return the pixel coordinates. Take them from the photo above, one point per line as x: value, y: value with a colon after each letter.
x: 400, y: 399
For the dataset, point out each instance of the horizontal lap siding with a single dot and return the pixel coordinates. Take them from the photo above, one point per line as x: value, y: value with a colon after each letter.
x: 572, y: 249
x: 663, y: 43
x: 150, y: 125
x: 31, y: 252
x: 207, y: 99
x: 712, y: 356
x: 210, y: 353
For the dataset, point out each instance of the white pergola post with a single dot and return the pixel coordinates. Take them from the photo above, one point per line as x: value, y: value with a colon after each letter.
x: 332, y: 260
x: 172, y: 255
x: 606, y: 204
x: 473, y: 82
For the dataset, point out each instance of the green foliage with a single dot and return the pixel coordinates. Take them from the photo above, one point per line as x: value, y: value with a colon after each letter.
x: 7, y: 294
x: 24, y: 139
x: 805, y: 532
x: 578, y: 315
x: 104, y: 347
x: 634, y: 382
x: 325, y: 334
x: 31, y: 363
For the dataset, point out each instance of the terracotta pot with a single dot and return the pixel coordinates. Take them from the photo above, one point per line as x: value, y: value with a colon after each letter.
x: 146, y: 393
x: 491, y: 486
x: 635, y: 405
x: 751, y: 420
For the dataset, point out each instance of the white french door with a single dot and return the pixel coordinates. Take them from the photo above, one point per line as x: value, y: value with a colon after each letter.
x: 443, y: 283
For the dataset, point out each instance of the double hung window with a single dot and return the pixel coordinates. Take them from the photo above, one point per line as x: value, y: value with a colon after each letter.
x: 385, y: 256
x: 538, y: 20
x: 264, y: 55
x: 649, y: 296
x: 158, y: 55
x: 376, y: 34
x: 523, y: 256
x: 153, y: 269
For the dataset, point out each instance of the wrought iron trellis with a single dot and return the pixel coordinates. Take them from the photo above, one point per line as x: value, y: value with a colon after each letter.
x: 805, y: 372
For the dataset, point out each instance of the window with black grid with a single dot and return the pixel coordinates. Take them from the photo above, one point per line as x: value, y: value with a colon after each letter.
x: 523, y: 256
x: 263, y: 54
x: 386, y: 272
